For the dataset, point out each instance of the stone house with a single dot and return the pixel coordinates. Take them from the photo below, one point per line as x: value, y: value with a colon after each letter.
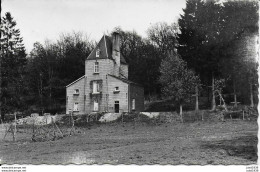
x: 105, y: 86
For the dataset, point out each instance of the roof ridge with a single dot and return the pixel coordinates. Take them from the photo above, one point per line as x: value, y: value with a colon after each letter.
x: 125, y: 80
x: 76, y: 81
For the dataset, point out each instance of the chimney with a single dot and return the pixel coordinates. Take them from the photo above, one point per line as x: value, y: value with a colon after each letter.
x: 116, y: 47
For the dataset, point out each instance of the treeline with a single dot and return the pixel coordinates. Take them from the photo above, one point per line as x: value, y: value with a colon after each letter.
x: 218, y: 41
x: 52, y: 66
x: 35, y: 82
x: 214, y: 40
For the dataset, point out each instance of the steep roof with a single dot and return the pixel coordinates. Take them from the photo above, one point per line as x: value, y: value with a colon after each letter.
x: 105, y: 47
x: 125, y: 80
x: 76, y: 81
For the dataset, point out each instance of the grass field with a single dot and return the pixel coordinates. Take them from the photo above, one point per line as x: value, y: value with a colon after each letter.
x: 229, y: 142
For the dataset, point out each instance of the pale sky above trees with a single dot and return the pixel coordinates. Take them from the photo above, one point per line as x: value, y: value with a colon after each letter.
x: 47, y: 19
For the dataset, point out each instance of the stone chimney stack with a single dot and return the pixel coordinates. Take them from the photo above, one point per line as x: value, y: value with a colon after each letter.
x: 116, y: 47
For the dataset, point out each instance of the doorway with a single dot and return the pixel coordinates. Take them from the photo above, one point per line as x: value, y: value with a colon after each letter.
x: 116, y: 106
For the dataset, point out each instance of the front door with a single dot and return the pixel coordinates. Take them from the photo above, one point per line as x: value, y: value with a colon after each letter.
x: 116, y: 106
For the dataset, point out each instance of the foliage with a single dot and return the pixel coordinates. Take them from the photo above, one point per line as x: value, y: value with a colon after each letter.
x: 13, y: 63
x: 144, y: 56
x: 219, y: 84
x: 52, y: 66
x: 211, y: 40
x: 163, y: 37
x: 178, y: 82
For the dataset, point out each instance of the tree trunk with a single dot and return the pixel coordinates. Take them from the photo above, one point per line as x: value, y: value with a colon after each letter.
x: 221, y: 97
x: 41, y: 93
x: 197, y: 98
x: 1, y: 61
x: 208, y: 89
x: 15, y: 129
x: 50, y: 95
x: 251, y: 95
x: 213, y: 94
x: 1, y: 115
x: 235, y: 100
x: 181, y: 113
x: 235, y: 94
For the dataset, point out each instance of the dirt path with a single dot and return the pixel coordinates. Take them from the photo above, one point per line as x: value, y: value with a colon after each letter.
x: 231, y: 142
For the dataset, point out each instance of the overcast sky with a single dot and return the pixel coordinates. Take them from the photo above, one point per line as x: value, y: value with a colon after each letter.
x: 46, y: 19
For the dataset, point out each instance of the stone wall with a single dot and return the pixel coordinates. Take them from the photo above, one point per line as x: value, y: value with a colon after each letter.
x: 107, y: 97
x: 121, y: 96
x: 71, y: 97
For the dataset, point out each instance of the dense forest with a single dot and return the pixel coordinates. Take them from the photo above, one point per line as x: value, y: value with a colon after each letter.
x: 212, y: 43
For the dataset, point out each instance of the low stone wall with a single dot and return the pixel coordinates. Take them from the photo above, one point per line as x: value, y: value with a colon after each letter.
x: 188, y: 116
x: 38, y: 120
x: 154, y: 117
x: 163, y: 117
x: 109, y: 117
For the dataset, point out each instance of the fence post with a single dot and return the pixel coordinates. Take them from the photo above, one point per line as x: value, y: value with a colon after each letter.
x: 14, y: 132
x: 222, y: 116
x: 33, y: 132
x: 72, y: 120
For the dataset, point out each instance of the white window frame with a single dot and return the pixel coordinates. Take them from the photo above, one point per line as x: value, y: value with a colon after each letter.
x: 133, y: 104
x: 96, y: 67
x: 76, y: 91
x: 76, y: 106
x: 96, y: 87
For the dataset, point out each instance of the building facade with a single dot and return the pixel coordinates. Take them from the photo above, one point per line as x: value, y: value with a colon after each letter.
x: 105, y: 86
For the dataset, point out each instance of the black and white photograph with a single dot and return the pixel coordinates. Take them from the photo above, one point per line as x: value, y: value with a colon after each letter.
x: 128, y: 82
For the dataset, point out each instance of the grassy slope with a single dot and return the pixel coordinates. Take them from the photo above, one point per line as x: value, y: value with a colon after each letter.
x: 230, y: 142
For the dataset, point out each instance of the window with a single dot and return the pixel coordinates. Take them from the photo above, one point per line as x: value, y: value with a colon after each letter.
x: 116, y: 90
x: 76, y: 91
x: 133, y: 104
x: 97, y: 52
x: 96, y: 67
x: 96, y: 87
x: 76, y: 108
x: 95, y: 105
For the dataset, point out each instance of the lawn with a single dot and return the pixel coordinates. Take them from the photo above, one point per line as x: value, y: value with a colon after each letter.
x: 228, y: 142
